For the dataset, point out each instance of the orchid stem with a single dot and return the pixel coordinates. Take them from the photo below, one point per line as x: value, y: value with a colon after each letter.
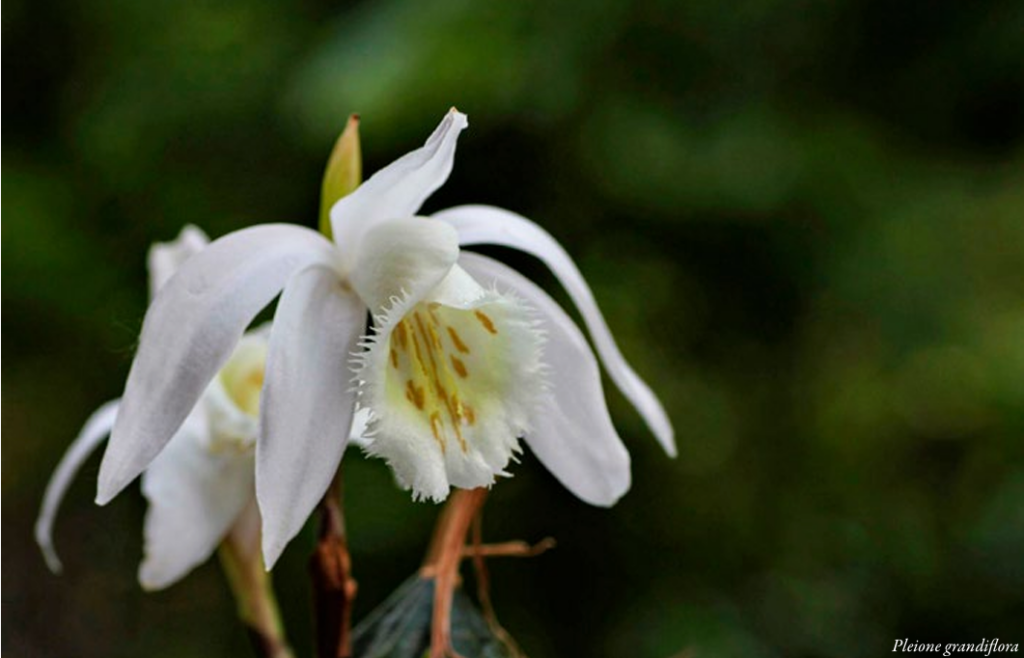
x: 442, y: 563
x: 257, y: 605
x: 334, y: 589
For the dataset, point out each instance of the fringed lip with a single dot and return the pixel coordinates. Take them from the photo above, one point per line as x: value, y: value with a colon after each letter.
x: 450, y: 380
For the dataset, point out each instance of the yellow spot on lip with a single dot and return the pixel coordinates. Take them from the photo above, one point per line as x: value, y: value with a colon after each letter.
x: 435, y: 339
x: 414, y: 394
x: 419, y: 353
x: 403, y: 336
x: 434, y: 369
x: 485, y: 321
x: 426, y: 341
x: 457, y: 341
x: 437, y: 429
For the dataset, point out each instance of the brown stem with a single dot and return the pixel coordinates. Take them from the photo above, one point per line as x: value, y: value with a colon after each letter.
x: 334, y: 589
x: 478, y: 551
x: 442, y: 563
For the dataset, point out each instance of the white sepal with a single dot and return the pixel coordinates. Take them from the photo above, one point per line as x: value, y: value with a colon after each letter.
x: 93, y: 432
x: 490, y: 225
x: 190, y: 331
x: 572, y: 433
x: 399, y: 189
x: 307, y: 401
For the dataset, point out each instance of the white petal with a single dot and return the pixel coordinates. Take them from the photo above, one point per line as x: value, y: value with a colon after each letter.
x: 307, y: 401
x: 490, y: 225
x: 95, y: 430
x: 572, y: 433
x: 403, y: 258
x: 194, y: 497
x: 189, y: 332
x: 399, y: 189
x: 166, y: 257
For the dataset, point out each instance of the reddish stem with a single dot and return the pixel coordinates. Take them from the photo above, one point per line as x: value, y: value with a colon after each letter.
x: 334, y: 589
x: 442, y: 563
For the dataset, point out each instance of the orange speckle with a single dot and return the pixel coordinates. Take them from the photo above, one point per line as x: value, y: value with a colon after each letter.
x: 419, y: 354
x: 403, y: 335
x: 426, y: 341
x: 437, y: 428
x: 394, y: 358
x: 455, y: 413
x: 414, y: 394
x: 460, y: 367
x: 435, y: 339
x: 457, y: 341
x: 485, y: 321
x: 255, y: 378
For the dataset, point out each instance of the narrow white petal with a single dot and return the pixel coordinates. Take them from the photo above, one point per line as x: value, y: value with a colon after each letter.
x: 403, y: 258
x: 399, y: 189
x: 95, y: 430
x: 572, y: 433
x: 490, y: 225
x: 194, y: 497
x: 189, y: 332
x: 307, y: 402
x: 166, y: 257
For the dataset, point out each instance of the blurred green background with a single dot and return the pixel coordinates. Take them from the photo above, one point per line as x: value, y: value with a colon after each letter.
x: 803, y: 220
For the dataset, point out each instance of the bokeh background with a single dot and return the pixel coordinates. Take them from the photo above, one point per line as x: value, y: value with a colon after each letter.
x: 803, y: 220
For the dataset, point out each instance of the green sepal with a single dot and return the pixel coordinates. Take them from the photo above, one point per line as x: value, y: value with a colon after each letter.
x: 344, y: 172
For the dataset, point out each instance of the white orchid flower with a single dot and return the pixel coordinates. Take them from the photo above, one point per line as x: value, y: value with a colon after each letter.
x: 201, y: 486
x: 465, y: 355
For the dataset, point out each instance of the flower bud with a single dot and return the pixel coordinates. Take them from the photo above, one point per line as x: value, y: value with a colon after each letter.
x: 344, y: 172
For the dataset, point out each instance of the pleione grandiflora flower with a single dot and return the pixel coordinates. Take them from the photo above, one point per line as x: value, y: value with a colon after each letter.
x: 464, y: 356
x: 201, y: 487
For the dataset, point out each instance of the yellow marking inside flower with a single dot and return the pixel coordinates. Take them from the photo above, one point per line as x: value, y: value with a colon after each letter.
x: 403, y: 337
x: 429, y: 359
x: 437, y: 428
x: 485, y: 321
x: 414, y: 394
x: 457, y: 340
x: 242, y: 375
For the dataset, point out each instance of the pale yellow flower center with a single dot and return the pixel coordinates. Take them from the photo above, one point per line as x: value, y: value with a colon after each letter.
x: 242, y: 376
